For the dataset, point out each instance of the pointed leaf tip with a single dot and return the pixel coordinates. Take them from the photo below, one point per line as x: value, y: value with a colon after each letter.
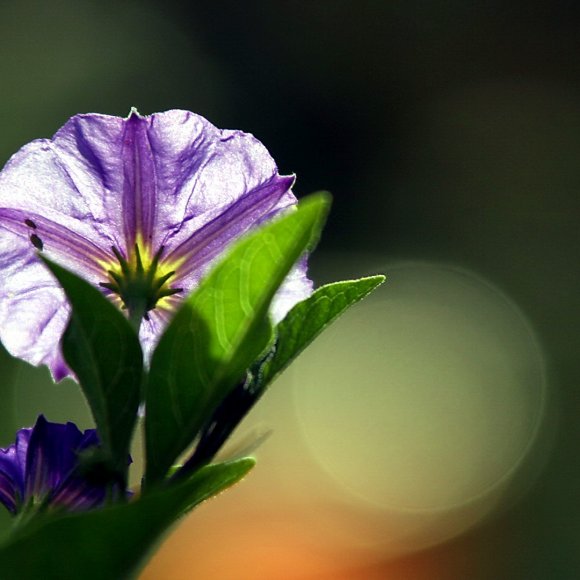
x: 309, y: 318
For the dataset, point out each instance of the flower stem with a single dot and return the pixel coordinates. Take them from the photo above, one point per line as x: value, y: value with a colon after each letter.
x: 135, y: 317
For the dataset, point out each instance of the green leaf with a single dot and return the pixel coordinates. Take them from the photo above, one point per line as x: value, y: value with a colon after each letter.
x: 114, y: 542
x: 309, y: 318
x: 103, y: 350
x: 220, y: 330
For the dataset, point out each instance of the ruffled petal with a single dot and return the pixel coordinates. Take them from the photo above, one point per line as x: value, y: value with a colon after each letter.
x: 200, y: 170
x: 73, y: 179
x: 33, y: 308
x: 58, y: 196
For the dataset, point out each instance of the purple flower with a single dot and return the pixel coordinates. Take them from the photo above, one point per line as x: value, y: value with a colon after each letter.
x: 41, y: 467
x: 138, y: 206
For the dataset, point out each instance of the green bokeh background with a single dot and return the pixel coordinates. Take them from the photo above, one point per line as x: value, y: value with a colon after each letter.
x: 446, y: 131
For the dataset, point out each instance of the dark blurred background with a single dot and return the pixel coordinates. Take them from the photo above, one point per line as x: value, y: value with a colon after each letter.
x: 449, y: 135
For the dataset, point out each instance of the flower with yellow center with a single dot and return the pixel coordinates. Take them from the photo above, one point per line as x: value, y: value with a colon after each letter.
x: 141, y: 207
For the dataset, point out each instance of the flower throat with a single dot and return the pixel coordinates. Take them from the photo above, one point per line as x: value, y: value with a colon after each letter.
x: 138, y: 283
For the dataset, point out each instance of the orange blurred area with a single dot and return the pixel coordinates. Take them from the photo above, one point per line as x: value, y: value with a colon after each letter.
x: 270, y: 545
x: 273, y: 543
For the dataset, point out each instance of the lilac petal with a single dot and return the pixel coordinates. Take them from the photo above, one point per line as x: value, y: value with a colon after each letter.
x: 55, y: 240
x: 201, y: 170
x: 60, y: 191
x: 33, y: 309
x: 225, y: 226
x: 296, y: 287
x: 151, y: 329
x: 72, y: 179
x: 139, y: 191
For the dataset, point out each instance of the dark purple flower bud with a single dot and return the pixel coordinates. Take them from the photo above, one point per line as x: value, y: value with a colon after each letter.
x: 43, y: 468
x: 141, y: 207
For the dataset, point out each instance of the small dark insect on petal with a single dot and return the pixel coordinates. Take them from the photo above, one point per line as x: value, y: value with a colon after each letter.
x: 109, y: 286
x: 36, y: 242
x: 30, y: 224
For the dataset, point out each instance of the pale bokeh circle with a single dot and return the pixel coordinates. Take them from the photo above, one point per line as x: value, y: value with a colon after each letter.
x: 425, y: 397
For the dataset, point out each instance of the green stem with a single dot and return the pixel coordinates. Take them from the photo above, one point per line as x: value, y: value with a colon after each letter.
x: 136, y: 316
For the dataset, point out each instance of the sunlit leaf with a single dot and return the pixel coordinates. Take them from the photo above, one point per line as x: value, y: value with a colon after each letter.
x: 300, y: 327
x: 310, y: 317
x: 220, y: 330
